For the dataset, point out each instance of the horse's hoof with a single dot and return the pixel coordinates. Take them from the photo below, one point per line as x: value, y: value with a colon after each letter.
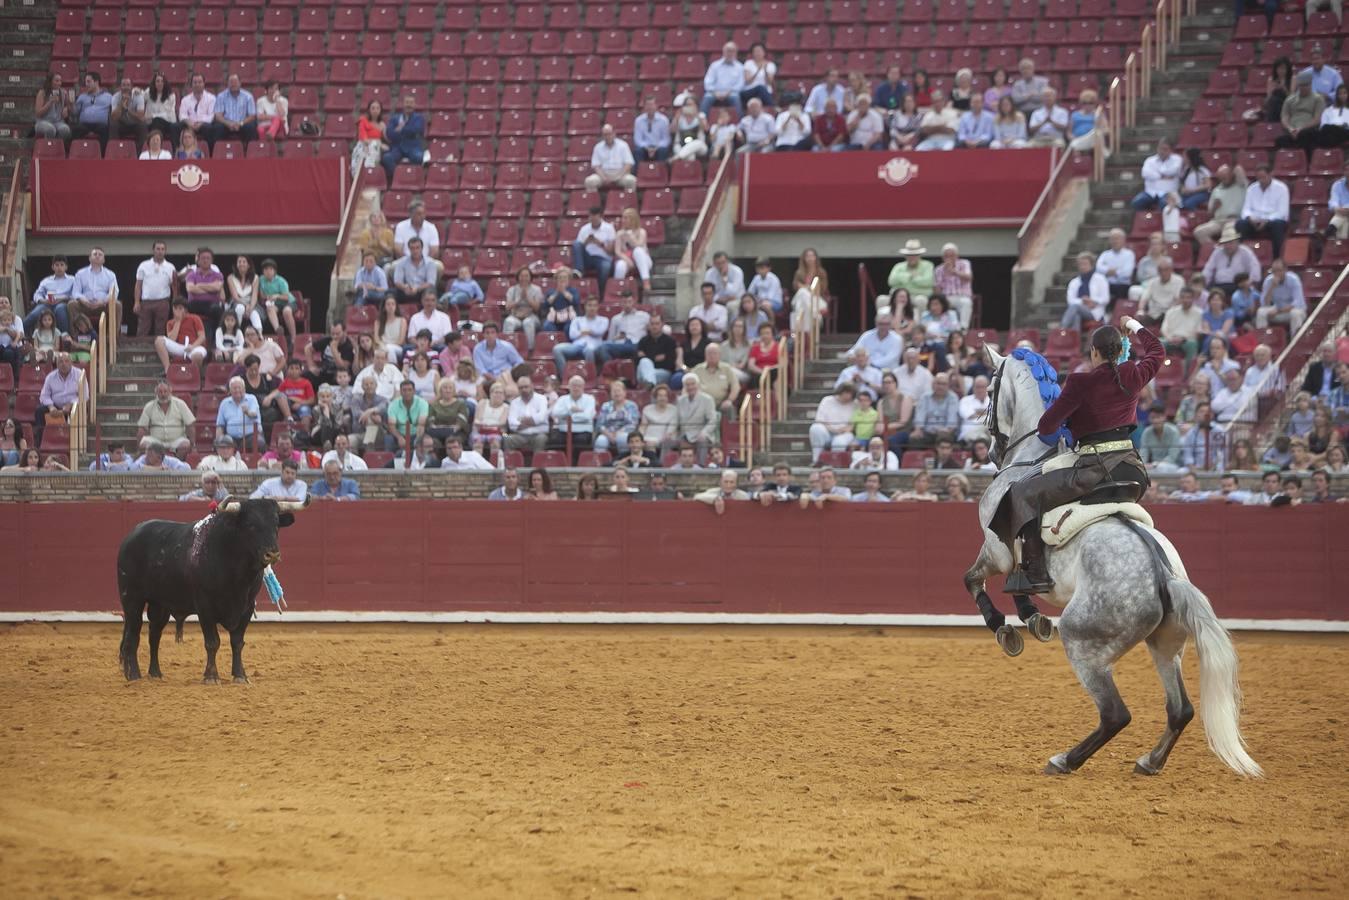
x: 241, y: 679
x: 1058, y: 765
x: 210, y: 679
x: 1040, y: 627
x: 1142, y: 768
x: 1010, y: 640
x: 157, y: 676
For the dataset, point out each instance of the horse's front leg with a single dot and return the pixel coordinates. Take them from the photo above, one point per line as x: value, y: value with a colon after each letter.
x: 994, y: 559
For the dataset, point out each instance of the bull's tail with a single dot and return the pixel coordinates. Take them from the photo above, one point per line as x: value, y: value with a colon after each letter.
x: 1219, y: 689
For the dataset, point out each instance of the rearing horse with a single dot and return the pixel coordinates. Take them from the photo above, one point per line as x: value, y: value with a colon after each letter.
x: 1118, y: 582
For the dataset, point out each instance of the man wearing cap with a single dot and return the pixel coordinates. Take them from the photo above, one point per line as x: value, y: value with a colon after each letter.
x: 1301, y: 114
x: 1224, y: 202
x: 1231, y: 259
x: 224, y: 459
x: 1266, y: 209
x: 914, y: 274
x: 954, y: 278
x: 766, y: 287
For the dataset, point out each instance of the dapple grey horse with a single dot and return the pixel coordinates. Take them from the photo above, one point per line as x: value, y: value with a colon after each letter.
x: 1115, y: 589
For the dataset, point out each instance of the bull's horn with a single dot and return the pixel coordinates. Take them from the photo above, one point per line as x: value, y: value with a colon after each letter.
x: 230, y: 504
x: 292, y: 505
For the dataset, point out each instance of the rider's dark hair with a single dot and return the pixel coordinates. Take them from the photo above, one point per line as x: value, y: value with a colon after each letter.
x: 1106, y: 341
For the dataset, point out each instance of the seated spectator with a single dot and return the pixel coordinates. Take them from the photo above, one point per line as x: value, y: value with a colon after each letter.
x: 205, y: 286
x: 196, y: 112
x: 630, y: 250
x: 963, y: 89
x: 414, y: 274
x: 277, y: 300
x: 782, y: 489
x: 697, y: 417
x: 1339, y: 206
x: 723, y: 134
x: 1282, y: 301
x: 973, y: 409
x: 378, y: 236
x: 1322, y: 378
x: 561, y: 303
x: 1159, y: 294
x: 527, y: 419
x: 876, y: 457
x: 283, y: 452
x: 660, y: 421
x: 53, y: 293
x: 1028, y: 89
x: 829, y: 89
x: 936, y: 418
x: 286, y: 486
x: 920, y: 490
x: 724, y: 81
x: 587, y: 335
x: 765, y: 287
x: 712, y: 319
x: 832, y: 428
x: 299, y: 393
x: 1230, y: 400
x: 236, y: 114
x: 1084, y: 122
x: 958, y: 489
x: 1161, y: 176
x: 370, y: 283
x: 717, y: 380
x: 611, y: 163
x: 369, y: 148
x: 128, y: 118
x: 1262, y: 374
x: 448, y: 414
x: 1049, y: 123
x: 977, y: 127
x: 464, y: 290
x: 945, y: 457
x: 161, y: 106
x: 1009, y: 126
x: 95, y: 290
x: 913, y: 275
x: 492, y: 357
x: 760, y: 75
x: 1187, y: 491
x: 421, y: 456
x: 416, y: 225
x: 341, y: 452
x: 387, y: 376
x: 491, y: 418
x: 829, y: 491
x: 728, y: 283
x: 405, y: 419
x: 1196, y: 181
x: 939, y: 320
x: 210, y: 489
x: 617, y: 419
x: 229, y: 340
x: 980, y: 460
x: 687, y: 460
x: 1231, y: 258
x: 1265, y: 212
x: 1245, y: 299
x: 1334, y: 130
x: 1301, y: 115
x: 889, y: 94
x: 938, y: 126
x: 637, y: 456
x: 883, y: 344
x: 758, y: 130
x: 332, y: 486
x: 1181, y: 325
x: 793, y: 128
x: 1225, y: 201
x: 404, y: 133
x: 1301, y: 419
x: 93, y: 110
x: 1219, y: 322
x: 509, y: 488
x: 864, y: 376
x: 189, y: 146
x: 225, y: 458
x: 271, y: 359
x: 1159, y: 446
x: 184, y: 337
x: 238, y: 415
x: 156, y: 458
x: 458, y: 459
x: 573, y: 416
x: 866, y: 128
x: 651, y: 133
x: 1117, y: 264
x: 1088, y: 295
x: 593, y: 250
x: 906, y: 126
x: 690, y: 132
x: 273, y: 112
x: 656, y: 353
x: 52, y: 110
x: 368, y: 408
x: 810, y: 291
x: 166, y: 420
x: 727, y: 489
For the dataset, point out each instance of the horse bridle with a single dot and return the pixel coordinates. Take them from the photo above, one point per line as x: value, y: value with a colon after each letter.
x: 1002, y: 445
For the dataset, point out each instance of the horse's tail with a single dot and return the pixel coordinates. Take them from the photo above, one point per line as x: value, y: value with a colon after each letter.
x: 1220, y: 692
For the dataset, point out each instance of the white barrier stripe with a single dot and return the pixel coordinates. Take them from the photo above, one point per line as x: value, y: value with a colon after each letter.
x: 652, y: 618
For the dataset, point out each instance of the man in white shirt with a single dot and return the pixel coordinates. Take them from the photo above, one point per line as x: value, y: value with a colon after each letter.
x: 1231, y: 400
x: 527, y: 418
x: 974, y: 412
x: 342, y: 455
x: 574, y: 414
x: 1180, y: 326
x: 829, y: 89
x: 1117, y: 264
x: 431, y: 319
x: 866, y: 128
x: 197, y: 108
x: 387, y: 377
x: 1160, y: 293
x: 225, y: 458
x: 793, y: 129
x: 884, y: 346
x: 1088, y: 295
x: 914, y: 380
x: 1266, y: 210
x: 1161, y: 176
x: 586, y: 334
x: 862, y: 375
x: 710, y: 312
x: 416, y: 225
x: 1262, y: 375
x: 612, y: 163
x: 286, y: 486
x: 728, y: 278
x: 457, y: 459
x: 939, y: 125
x: 765, y: 286
x: 626, y: 328
x: 1048, y: 124
x: 154, y: 290
x: 724, y: 81
x: 651, y: 133
x: 757, y: 129
x: 593, y: 250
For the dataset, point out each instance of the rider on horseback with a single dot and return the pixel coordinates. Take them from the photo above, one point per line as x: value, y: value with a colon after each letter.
x: 1103, y: 405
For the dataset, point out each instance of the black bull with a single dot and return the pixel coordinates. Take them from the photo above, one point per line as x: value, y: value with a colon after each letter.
x: 212, y: 568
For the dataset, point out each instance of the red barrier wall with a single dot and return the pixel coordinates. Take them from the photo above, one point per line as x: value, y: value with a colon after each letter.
x: 267, y: 196
x: 966, y: 189
x: 424, y: 556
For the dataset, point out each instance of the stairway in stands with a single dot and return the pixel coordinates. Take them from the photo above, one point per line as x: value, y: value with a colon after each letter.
x: 791, y: 438
x: 26, y: 31
x: 1175, y: 93
x: 131, y: 384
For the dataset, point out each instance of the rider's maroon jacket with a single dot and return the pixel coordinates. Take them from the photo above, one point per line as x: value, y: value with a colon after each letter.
x: 1093, y: 400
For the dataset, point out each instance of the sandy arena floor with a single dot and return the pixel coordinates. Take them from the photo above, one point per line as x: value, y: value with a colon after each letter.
x: 514, y: 761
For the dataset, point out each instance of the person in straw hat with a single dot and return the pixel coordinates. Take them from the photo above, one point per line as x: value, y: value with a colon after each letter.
x: 1232, y: 258
x: 914, y: 274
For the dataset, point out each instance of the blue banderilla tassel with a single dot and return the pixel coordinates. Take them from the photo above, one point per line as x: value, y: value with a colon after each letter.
x: 274, y: 590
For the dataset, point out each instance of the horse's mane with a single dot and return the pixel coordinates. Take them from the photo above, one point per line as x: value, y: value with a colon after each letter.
x: 1044, y: 374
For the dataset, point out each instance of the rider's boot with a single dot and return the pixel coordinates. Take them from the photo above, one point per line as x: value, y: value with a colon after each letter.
x: 1033, y: 576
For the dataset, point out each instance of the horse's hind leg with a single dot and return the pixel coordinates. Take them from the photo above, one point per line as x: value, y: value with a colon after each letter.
x: 1166, y: 645
x: 1093, y: 668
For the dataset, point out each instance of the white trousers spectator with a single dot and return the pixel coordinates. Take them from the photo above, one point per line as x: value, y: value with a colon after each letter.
x: 1008, y: 145
x: 639, y: 256
x: 691, y: 150
x: 182, y: 351
x: 1211, y: 230
x: 1085, y: 143
x: 1293, y: 318
x: 821, y: 439
x: 529, y: 325
x: 1341, y: 224
x: 255, y: 317
x: 964, y: 307
x: 179, y: 447
x: 395, y: 352
x: 647, y: 373
x: 626, y: 182
x: 620, y: 441
x: 937, y: 142
x: 1046, y: 140
x: 805, y: 306
x: 1076, y: 316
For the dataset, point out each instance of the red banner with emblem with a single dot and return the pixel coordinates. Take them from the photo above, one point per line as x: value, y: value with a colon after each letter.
x: 229, y: 196
x: 869, y: 189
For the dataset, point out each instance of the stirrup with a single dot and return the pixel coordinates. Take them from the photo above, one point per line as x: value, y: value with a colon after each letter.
x: 1020, y: 582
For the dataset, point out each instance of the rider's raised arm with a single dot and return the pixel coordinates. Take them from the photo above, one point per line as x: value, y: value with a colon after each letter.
x: 1134, y: 375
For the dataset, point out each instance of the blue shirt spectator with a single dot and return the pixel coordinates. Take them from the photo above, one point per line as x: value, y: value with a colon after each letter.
x: 975, y: 128
x: 346, y: 489
x: 237, y: 417
x: 95, y: 284
x: 235, y: 107
x: 495, y: 359
x: 883, y: 350
x: 93, y: 109
x: 651, y: 133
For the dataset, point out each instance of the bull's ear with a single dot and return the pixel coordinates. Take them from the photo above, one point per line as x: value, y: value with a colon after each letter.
x: 285, y: 520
